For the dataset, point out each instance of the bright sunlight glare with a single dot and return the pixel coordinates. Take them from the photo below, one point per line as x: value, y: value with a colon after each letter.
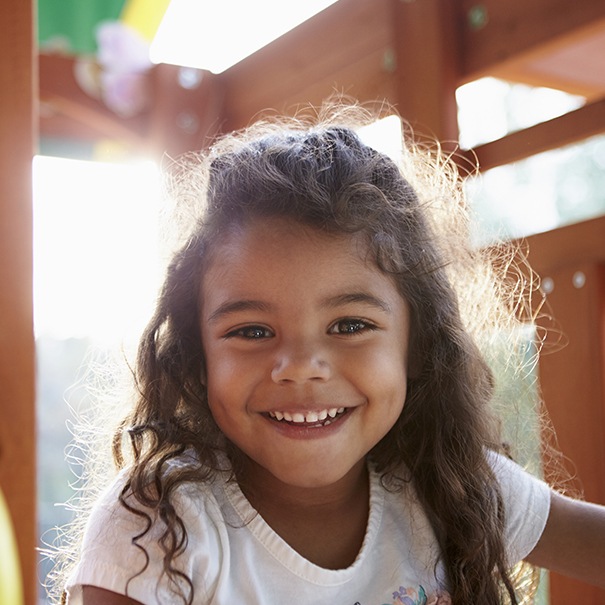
x: 215, y: 35
x: 96, y: 243
x: 385, y: 135
x: 96, y: 259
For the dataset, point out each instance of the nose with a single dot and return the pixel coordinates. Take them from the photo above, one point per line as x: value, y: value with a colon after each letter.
x: 299, y: 363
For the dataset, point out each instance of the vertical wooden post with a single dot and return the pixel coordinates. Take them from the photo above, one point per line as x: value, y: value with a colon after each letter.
x: 573, y: 386
x: 187, y: 112
x: 17, y: 402
x: 427, y: 66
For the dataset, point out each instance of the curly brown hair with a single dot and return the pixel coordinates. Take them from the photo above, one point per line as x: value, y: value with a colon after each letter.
x: 411, y: 217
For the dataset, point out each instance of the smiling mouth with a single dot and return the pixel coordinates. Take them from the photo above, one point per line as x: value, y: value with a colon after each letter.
x: 320, y: 418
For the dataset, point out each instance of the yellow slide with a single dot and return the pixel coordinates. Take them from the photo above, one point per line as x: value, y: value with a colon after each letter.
x: 144, y: 16
x: 11, y: 590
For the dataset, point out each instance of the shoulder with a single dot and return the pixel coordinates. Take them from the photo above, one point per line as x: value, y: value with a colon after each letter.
x: 526, y: 500
x: 517, y: 483
x: 119, y: 515
x: 122, y: 545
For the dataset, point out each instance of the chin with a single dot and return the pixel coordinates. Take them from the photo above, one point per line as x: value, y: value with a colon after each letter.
x: 316, y: 478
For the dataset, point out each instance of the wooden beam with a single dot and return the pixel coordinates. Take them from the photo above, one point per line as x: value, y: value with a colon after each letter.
x: 572, y: 383
x: 572, y: 62
x: 181, y: 115
x: 568, y: 246
x: 347, y: 48
x: 411, y: 53
x: 389, y: 50
x: 572, y: 366
x: 17, y: 399
x: 67, y: 110
x: 496, y: 32
x: 578, y: 125
x: 187, y: 111
x: 427, y: 72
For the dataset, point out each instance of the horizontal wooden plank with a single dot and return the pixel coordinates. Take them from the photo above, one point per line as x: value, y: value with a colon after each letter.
x: 365, y: 80
x: 320, y: 51
x: 494, y: 31
x: 577, y: 125
x: 568, y: 246
x: 67, y: 118
x: 67, y: 110
x: 573, y: 63
x: 176, y: 119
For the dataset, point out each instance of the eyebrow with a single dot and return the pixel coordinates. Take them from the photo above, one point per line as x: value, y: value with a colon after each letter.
x: 356, y: 298
x: 237, y: 306
x: 331, y: 302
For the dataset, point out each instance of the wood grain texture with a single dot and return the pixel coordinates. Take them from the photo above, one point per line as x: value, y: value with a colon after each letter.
x: 17, y: 398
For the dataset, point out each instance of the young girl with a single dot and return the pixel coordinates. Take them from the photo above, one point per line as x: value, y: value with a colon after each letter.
x: 312, y: 422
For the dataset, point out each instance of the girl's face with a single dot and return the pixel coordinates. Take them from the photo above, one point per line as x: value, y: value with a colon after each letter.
x: 306, y: 346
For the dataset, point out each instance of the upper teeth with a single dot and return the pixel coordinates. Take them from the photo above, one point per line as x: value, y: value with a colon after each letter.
x: 307, y: 416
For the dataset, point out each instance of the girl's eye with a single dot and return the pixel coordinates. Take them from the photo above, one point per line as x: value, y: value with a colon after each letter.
x: 250, y: 333
x: 351, y: 326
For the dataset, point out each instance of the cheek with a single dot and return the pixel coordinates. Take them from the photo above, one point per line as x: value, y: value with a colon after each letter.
x: 226, y: 385
x: 218, y: 364
x: 391, y: 378
x: 216, y: 378
x: 223, y: 409
x: 220, y: 385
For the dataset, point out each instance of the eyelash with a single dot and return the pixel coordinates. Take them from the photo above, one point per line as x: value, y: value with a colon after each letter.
x: 246, y: 333
x: 359, y: 326
x: 352, y: 326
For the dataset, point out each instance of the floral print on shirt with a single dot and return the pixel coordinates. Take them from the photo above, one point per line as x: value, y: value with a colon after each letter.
x: 411, y: 596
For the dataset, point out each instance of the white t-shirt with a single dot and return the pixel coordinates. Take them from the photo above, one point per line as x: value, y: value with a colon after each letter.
x: 233, y: 556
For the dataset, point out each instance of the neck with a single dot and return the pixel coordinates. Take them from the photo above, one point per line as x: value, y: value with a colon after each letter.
x: 260, y: 487
x: 325, y: 524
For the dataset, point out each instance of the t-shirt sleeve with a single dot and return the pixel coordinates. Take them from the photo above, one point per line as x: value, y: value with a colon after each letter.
x: 526, y: 505
x: 112, y: 560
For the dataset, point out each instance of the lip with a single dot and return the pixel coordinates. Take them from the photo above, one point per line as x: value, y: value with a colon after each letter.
x: 305, y: 430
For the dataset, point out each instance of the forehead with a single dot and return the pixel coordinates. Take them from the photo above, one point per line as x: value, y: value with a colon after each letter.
x: 284, y: 256
x: 277, y: 241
